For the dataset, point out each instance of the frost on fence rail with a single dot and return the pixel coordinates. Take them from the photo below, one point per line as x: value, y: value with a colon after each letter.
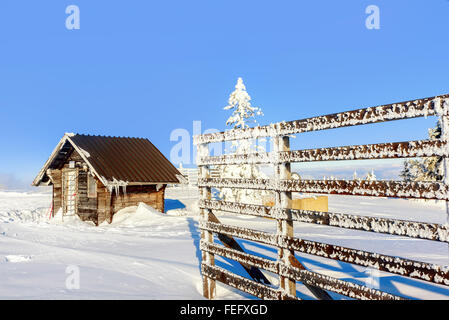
x: 241, y: 257
x: 328, y: 283
x: 256, y: 289
x: 243, y: 233
x: 232, y: 159
x: 438, y: 105
x: 408, y: 149
x: 401, y: 266
x: 412, y: 229
x: 324, y: 282
x: 241, y: 208
x: 394, y: 189
x: 404, y: 267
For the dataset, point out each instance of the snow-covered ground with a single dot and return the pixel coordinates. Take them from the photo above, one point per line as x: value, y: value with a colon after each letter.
x: 141, y: 255
x: 147, y: 255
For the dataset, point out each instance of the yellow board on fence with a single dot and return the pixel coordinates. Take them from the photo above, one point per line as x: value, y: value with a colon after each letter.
x: 318, y: 203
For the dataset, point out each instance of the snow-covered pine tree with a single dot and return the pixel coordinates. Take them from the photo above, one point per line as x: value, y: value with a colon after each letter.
x: 425, y: 169
x: 239, y: 101
x: 242, y: 114
x: 434, y: 165
x: 370, y: 176
x: 406, y: 172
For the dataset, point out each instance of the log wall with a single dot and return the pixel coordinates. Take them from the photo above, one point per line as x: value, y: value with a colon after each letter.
x: 87, y: 207
x: 135, y: 194
x: 103, y: 207
x: 104, y: 211
x: 56, y: 177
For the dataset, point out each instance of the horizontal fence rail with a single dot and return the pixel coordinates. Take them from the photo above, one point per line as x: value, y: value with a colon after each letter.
x: 286, y: 266
x: 412, y: 229
x: 397, y: 111
x: 404, y: 267
x: 396, y: 189
x: 394, y: 150
x: 241, y: 283
x: 345, y: 288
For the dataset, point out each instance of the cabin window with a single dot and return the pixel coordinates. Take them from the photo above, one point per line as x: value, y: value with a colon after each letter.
x: 91, y: 186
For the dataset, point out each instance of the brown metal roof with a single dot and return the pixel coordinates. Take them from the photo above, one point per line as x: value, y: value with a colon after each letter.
x: 126, y: 159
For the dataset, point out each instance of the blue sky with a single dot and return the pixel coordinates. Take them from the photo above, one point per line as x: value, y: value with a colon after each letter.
x: 144, y: 68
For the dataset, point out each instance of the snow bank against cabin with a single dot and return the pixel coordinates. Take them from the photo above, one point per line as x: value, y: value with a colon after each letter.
x: 141, y: 215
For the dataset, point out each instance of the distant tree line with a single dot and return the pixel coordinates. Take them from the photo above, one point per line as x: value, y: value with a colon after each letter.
x: 425, y: 169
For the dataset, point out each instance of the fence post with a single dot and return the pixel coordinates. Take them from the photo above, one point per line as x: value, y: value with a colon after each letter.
x: 444, y: 122
x: 205, y: 194
x: 284, y: 227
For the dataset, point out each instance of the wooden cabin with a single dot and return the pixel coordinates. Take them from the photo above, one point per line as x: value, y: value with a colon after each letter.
x: 96, y: 176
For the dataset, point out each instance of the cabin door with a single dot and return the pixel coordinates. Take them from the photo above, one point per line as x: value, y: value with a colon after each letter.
x: 69, y: 178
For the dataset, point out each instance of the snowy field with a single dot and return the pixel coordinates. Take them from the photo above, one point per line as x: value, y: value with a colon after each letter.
x: 147, y: 255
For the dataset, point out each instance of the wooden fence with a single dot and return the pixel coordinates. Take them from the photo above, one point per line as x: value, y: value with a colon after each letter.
x: 287, y: 267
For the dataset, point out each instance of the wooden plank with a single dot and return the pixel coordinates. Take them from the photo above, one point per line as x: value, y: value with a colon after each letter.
x: 395, y: 111
x: 56, y: 178
x: 408, y: 149
x: 241, y: 257
x: 254, y: 288
x: 209, y: 285
x: 394, y: 150
x: 283, y: 199
x: 444, y: 122
x: 412, y: 229
x: 401, y: 266
x: 232, y: 159
x: 104, y: 199
x: 394, y: 189
x: 310, y: 279
x: 136, y: 194
x: 87, y: 207
x: 230, y: 242
x: 242, y: 208
x: 239, y: 232
x: 226, y: 232
x: 328, y: 283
